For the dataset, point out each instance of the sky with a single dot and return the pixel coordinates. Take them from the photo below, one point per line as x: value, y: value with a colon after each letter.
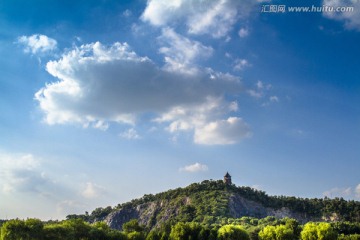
x: 103, y: 101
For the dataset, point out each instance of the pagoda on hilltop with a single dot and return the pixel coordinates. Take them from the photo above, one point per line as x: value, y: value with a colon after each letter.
x: 227, y: 179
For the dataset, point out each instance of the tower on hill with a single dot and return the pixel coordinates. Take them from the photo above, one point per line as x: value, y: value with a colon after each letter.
x: 227, y: 179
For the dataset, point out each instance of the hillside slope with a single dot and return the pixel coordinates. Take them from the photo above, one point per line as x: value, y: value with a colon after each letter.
x: 211, y: 202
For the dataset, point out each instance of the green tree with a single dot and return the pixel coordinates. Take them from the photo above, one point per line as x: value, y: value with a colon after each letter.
x: 309, y: 231
x: 232, y: 232
x: 35, y: 229
x: 280, y: 232
x: 78, y: 228
x: 294, y: 226
x: 132, y: 226
x: 268, y: 233
x: 318, y: 231
x: 153, y: 235
x: 14, y: 230
x: 183, y: 231
x: 284, y: 233
x: 349, y: 237
x: 135, y: 236
x: 326, y: 232
x: 134, y: 230
x: 57, y: 232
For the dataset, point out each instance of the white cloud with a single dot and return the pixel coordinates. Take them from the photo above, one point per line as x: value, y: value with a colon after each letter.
x: 262, y: 90
x: 127, y: 13
x: 204, y: 121
x: 260, y: 85
x: 215, y: 18
x: 37, y: 43
x: 92, y: 190
x: 243, y: 32
x: 255, y: 93
x: 350, y: 18
x: 222, y: 132
x: 241, y: 64
x: 181, y: 52
x: 338, y: 192
x: 99, y: 84
x: 22, y: 173
x: 130, y: 134
x: 274, y: 99
x: 159, y: 12
x: 71, y: 207
x: 196, y: 167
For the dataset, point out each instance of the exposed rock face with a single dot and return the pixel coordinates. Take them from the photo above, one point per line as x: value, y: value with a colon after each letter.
x: 149, y: 214
x: 240, y: 206
x: 116, y: 219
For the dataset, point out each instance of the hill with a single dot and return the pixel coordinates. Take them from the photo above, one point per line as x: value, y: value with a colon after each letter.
x: 212, y: 202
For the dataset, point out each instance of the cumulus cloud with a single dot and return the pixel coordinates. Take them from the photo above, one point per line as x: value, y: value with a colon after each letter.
x: 99, y: 84
x: 241, y: 64
x: 22, y: 173
x: 222, y: 132
x: 196, y: 167
x: 92, y: 190
x: 262, y: 90
x: 351, y: 18
x: 204, y: 121
x: 215, y: 18
x: 37, y: 43
x: 181, y: 52
x: 131, y: 133
x: 243, y: 32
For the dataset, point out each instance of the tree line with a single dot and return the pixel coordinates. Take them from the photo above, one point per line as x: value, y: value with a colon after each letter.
x: 245, y: 228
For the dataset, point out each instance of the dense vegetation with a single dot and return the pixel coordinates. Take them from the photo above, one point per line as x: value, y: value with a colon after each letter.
x: 244, y: 228
x: 210, y: 204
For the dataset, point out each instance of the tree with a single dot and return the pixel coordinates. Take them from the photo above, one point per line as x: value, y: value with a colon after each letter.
x: 284, y: 233
x: 153, y: 235
x: 132, y: 226
x: 294, y: 226
x: 57, y: 232
x: 309, y: 231
x: 134, y: 230
x: 135, y: 236
x: 14, y: 230
x: 280, y: 232
x: 232, y: 232
x: 35, y: 229
x: 318, y: 231
x: 326, y: 232
x: 183, y: 231
x: 78, y: 228
x: 268, y: 233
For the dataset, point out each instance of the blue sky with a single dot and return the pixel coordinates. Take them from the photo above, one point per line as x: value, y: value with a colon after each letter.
x: 104, y: 101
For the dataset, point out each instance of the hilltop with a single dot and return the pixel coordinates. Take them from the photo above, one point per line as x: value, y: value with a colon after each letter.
x: 211, y: 202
